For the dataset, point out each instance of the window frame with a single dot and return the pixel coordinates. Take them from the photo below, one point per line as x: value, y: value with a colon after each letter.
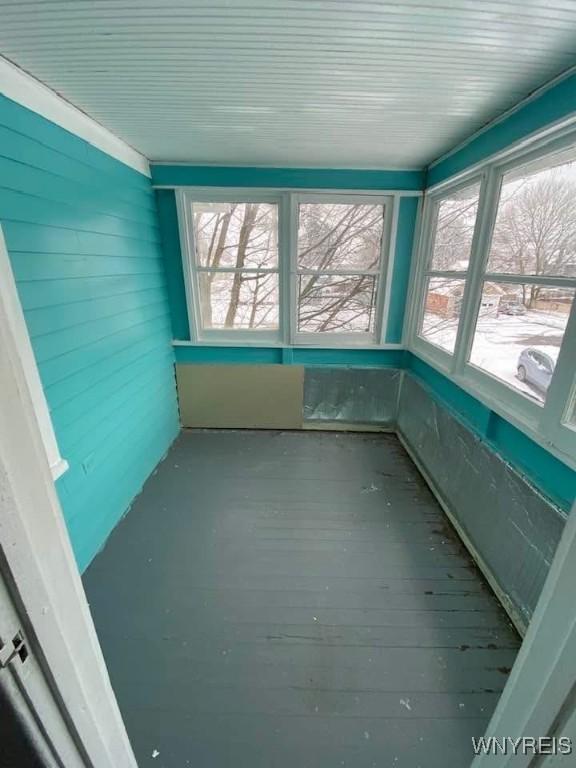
x: 425, y: 252
x: 192, y: 270
x: 336, y: 338
x: 546, y: 424
x: 288, y: 201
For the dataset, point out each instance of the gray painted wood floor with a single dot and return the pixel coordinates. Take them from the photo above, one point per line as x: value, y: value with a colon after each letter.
x: 293, y: 599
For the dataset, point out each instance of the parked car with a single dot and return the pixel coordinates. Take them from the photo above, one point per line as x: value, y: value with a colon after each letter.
x: 511, y: 308
x: 536, y: 368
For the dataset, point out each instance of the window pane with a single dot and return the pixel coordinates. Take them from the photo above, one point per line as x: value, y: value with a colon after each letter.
x: 443, y: 303
x: 535, y: 230
x: 336, y: 236
x: 455, y: 222
x: 519, y: 332
x: 236, y: 235
x: 240, y: 300
x: 342, y: 303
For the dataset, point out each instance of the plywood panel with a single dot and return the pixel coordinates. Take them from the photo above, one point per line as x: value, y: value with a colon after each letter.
x: 241, y: 396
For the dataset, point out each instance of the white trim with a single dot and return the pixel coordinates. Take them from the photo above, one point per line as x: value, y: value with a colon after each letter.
x: 192, y: 270
x: 282, y: 345
x: 387, y: 271
x: 17, y: 324
x: 382, y: 276
x: 505, y: 115
x: 411, y: 302
x: 19, y: 86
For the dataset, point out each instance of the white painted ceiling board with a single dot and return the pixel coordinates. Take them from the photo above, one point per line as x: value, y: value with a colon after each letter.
x: 338, y: 83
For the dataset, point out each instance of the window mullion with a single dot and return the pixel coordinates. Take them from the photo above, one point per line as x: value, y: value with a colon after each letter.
x: 418, y: 288
x: 486, y: 217
x: 183, y: 203
x: 291, y: 266
x: 544, y: 279
x: 560, y: 389
x: 239, y: 270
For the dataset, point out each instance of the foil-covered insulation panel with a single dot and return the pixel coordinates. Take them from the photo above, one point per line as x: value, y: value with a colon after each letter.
x: 351, y: 395
x: 511, y: 526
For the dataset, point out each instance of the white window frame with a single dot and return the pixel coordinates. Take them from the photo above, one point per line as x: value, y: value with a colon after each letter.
x: 15, y: 317
x: 191, y: 271
x: 287, y: 333
x: 429, y: 220
x: 545, y: 424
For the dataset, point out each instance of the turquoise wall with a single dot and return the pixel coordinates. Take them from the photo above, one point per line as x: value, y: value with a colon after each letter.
x: 82, y: 234
x: 291, y: 178
x: 358, y: 358
x: 278, y: 178
x: 552, y: 105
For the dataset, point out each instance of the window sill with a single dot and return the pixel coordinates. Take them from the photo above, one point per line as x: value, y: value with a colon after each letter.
x: 279, y: 345
x: 59, y: 468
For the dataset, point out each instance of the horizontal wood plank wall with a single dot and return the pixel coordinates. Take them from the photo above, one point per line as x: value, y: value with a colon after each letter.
x: 82, y: 234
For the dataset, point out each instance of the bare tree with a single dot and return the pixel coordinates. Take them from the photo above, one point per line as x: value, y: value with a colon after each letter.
x: 454, y: 231
x: 535, y: 231
x: 242, y: 237
x: 338, y: 237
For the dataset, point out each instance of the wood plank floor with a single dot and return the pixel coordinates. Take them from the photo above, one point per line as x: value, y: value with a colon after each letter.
x: 294, y: 599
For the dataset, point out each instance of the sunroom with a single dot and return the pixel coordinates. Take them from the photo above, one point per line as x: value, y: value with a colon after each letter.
x: 288, y: 384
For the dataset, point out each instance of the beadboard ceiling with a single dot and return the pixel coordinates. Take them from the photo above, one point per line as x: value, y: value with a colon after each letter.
x: 337, y: 83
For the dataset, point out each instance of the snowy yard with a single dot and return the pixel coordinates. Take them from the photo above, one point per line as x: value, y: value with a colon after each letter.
x: 499, y: 340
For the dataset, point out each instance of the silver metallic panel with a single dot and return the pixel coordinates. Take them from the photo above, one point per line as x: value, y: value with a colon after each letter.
x: 351, y: 395
x: 513, y: 529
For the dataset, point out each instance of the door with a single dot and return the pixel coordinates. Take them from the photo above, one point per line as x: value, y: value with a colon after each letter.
x: 33, y: 730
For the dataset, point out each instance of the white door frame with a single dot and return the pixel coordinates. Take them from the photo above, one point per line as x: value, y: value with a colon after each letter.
x: 38, y: 566
x: 543, y: 677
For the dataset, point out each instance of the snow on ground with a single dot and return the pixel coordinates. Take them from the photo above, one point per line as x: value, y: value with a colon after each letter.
x: 499, y: 340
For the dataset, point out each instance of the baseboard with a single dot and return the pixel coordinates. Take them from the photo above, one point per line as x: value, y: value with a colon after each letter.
x: 338, y: 426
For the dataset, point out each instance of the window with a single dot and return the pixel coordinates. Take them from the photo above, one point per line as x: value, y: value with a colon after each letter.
x: 528, y: 288
x: 493, y: 299
x: 452, y: 224
x: 236, y: 265
x: 283, y: 268
x: 519, y: 333
x: 339, y: 262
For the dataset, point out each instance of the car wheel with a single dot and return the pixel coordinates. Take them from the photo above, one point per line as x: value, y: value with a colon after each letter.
x: 521, y: 373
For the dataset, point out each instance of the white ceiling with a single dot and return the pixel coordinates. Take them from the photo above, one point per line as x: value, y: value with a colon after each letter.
x: 338, y: 83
